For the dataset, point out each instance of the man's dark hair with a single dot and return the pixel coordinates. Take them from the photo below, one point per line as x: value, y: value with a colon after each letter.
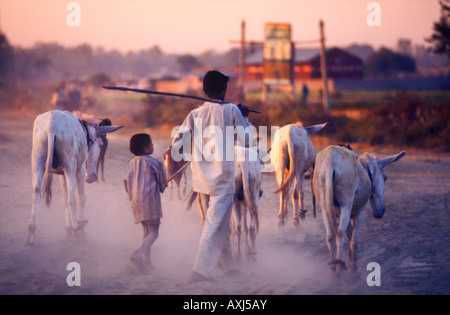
x: 138, y: 142
x: 214, y: 84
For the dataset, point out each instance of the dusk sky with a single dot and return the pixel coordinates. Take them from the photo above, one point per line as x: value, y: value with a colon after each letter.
x: 194, y: 26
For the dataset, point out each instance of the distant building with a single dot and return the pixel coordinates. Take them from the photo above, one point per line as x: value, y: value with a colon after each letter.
x: 340, y: 65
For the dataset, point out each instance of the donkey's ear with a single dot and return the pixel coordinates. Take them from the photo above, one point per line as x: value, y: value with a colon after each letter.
x: 390, y: 159
x: 101, y: 130
x: 315, y: 128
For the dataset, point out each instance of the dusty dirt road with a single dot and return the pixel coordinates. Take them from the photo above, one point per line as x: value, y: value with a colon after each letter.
x: 411, y: 242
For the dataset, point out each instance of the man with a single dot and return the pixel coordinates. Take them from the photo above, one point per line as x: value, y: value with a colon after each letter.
x: 212, y: 165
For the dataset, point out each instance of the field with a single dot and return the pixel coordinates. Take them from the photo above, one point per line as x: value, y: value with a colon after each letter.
x: 410, y: 243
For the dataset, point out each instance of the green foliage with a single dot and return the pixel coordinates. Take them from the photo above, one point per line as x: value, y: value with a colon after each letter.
x: 401, y: 119
x: 30, y: 100
x: 6, y: 59
x: 387, y: 62
x: 405, y: 120
x: 99, y: 79
x: 187, y: 62
x: 440, y: 39
x: 167, y: 111
x: 411, y: 121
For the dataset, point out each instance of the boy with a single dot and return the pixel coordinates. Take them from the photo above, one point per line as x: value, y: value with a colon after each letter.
x: 145, y: 179
x: 213, y: 179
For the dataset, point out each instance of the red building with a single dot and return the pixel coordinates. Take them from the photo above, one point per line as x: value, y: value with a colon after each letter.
x: 340, y: 65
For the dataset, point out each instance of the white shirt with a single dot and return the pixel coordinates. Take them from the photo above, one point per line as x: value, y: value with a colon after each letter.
x: 212, y: 154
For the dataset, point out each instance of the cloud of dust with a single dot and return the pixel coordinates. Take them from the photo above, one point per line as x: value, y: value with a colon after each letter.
x: 285, y: 263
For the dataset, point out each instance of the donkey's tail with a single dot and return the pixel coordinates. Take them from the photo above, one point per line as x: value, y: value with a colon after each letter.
x: 292, y: 166
x: 47, y: 180
x: 191, y: 199
x: 329, y: 200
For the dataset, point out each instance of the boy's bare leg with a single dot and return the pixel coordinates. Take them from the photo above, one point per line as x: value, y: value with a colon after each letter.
x: 152, y: 235
x: 141, y: 257
x: 146, y: 233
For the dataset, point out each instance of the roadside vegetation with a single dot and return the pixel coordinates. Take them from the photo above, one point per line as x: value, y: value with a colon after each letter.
x: 419, y: 119
x: 413, y: 119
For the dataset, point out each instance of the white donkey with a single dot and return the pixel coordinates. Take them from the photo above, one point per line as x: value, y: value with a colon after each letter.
x: 64, y: 145
x: 248, y: 177
x: 344, y: 184
x: 292, y: 152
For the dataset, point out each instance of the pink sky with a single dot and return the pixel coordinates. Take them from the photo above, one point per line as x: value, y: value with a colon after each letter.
x: 194, y: 26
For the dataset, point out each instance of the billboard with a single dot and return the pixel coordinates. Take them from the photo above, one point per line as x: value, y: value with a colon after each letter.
x: 277, y: 54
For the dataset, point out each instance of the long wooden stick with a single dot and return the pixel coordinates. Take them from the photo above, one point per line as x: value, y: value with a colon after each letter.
x: 119, y: 88
x: 178, y: 172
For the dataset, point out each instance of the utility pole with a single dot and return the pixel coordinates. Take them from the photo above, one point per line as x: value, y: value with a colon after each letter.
x: 293, y: 73
x: 241, y: 74
x: 241, y: 81
x: 323, y: 69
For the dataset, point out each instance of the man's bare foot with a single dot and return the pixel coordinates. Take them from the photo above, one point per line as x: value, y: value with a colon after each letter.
x: 197, y: 277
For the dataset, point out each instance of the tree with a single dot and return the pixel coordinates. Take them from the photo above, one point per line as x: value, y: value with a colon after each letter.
x: 99, y: 79
x: 387, y: 62
x: 362, y: 51
x: 440, y: 39
x: 404, y: 46
x: 6, y: 58
x: 187, y: 62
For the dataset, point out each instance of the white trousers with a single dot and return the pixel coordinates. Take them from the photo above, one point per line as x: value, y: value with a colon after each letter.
x: 214, y: 234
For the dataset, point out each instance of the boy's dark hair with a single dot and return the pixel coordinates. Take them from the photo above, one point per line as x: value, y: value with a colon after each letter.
x: 105, y: 122
x: 138, y: 142
x: 214, y: 84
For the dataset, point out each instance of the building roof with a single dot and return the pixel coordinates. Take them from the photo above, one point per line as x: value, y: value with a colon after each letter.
x: 301, y: 55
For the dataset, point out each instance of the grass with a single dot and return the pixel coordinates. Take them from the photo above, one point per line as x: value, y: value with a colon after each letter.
x: 419, y: 119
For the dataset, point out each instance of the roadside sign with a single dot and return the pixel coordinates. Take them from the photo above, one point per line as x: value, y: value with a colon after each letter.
x: 277, y: 54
